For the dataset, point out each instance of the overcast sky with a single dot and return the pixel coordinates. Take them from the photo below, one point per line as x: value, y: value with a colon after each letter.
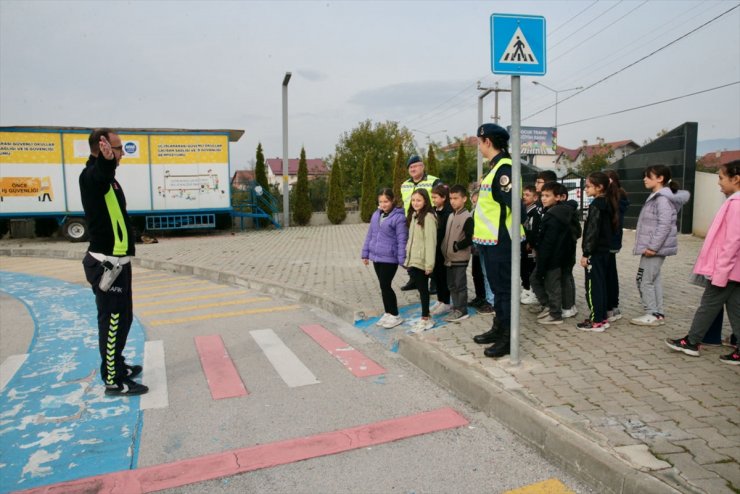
x: 205, y: 65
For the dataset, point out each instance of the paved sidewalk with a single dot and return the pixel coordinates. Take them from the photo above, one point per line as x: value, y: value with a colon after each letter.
x: 618, y: 408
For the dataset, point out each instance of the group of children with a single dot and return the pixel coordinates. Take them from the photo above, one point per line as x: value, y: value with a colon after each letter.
x: 436, y: 238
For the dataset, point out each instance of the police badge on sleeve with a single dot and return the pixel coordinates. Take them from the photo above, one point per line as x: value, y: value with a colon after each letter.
x: 505, y: 183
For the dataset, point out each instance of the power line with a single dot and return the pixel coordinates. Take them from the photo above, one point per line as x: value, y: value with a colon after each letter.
x: 566, y: 22
x: 637, y: 61
x: 587, y: 23
x: 651, y: 104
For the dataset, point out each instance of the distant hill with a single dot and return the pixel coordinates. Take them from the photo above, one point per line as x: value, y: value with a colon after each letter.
x: 704, y: 147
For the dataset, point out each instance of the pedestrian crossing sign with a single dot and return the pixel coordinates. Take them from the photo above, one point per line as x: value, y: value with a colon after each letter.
x: 518, y: 44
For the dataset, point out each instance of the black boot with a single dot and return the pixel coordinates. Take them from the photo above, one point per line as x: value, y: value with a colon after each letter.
x: 497, y: 350
x: 410, y: 285
x: 490, y: 336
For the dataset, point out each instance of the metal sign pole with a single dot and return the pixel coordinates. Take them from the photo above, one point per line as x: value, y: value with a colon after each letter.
x: 516, y: 212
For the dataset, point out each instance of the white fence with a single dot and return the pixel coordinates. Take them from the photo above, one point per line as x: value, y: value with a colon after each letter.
x: 707, y: 201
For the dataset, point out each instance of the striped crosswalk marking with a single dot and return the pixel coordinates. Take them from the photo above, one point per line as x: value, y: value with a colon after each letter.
x: 282, y: 358
x: 221, y: 315
x: 9, y: 367
x: 152, y: 280
x: 221, y: 374
x: 188, y: 299
x: 551, y: 486
x: 178, y: 292
x: 355, y: 362
x: 183, y: 282
x: 189, y: 308
x: 154, y: 376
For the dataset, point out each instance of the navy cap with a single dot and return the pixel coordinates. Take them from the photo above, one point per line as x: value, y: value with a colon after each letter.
x: 413, y: 159
x: 491, y: 130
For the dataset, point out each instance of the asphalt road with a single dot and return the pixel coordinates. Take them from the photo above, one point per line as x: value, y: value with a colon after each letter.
x: 293, y: 388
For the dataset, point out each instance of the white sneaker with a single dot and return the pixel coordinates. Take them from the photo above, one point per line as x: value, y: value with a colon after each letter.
x: 528, y: 298
x: 545, y: 312
x: 646, y: 320
x: 422, y: 325
x: 392, y: 321
x: 382, y: 319
x: 434, y: 307
x: 439, y: 308
x: 613, y: 315
x: 570, y: 312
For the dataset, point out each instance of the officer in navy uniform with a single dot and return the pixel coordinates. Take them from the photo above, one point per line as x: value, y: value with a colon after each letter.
x: 493, y: 222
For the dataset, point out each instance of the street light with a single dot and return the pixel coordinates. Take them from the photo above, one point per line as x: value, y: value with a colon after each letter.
x: 286, y: 190
x: 556, y: 97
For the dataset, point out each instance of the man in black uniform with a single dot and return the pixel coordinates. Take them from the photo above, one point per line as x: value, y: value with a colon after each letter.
x: 107, y: 262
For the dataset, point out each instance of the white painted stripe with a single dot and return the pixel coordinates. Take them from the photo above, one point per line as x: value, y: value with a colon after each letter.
x: 9, y: 367
x: 154, y: 376
x: 285, y: 362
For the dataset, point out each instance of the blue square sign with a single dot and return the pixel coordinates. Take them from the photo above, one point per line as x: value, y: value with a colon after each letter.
x: 518, y: 44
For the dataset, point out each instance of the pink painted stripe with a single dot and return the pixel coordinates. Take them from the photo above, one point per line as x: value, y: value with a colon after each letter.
x: 221, y: 374
x: 200, y: 469
x: 356, y: 362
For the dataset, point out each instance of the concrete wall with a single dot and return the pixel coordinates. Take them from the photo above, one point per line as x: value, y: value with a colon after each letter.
x: 707, y: 201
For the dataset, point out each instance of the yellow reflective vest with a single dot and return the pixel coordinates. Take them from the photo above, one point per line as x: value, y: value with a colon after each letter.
x: 488, y: 211
x: 408, y: 187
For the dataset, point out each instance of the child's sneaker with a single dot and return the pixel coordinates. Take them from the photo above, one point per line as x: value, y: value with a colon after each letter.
x: 382, y: 319
x: 732, y: 359
x: 544, y: 313
x: 536, y: 308
x: 422, y: 325
x: 593, y: 326
x: 456, y: 316
x: 439, y: 308
x: 646, y: 320
x: 570, y: 312
x: 476, y: 302
x: 486, y: 308
x: 392, y: 321
x: 659, y: 317
x: 126, y: 388
x: 683, y: 345
x: 550, y: 320
x: 614, y: 315
x: 528, y: 297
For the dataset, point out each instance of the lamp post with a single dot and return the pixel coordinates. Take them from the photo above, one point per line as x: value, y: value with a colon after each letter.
x: 286, y: 189
x: 557, y: 92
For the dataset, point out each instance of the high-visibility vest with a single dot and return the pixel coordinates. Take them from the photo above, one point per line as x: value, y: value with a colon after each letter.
x: 408, y: 187
x: 488, y: 211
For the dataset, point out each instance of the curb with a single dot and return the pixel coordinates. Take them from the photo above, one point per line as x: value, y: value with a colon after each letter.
x: 555, y: 441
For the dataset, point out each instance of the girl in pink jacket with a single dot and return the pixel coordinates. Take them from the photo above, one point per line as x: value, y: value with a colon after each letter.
x: 719, y: 265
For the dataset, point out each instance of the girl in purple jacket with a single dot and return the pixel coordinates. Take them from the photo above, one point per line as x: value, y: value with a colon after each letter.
x: 655, y: 239
x: 385, y: 245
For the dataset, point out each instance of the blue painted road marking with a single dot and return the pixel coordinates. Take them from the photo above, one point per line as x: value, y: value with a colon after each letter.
x: 56, y: 424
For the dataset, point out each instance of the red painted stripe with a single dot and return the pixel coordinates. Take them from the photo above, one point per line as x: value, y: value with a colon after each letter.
x: 356, y: 362
x: 223, y: 378
x: 178, y: 474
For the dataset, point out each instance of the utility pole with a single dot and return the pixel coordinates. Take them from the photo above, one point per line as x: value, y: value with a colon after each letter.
x: 486, y: 92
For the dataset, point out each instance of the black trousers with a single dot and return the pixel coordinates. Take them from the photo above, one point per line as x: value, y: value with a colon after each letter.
x: 498, y: 272
x: 612, y: 283
x: 422, y: 284
x: 439, y: 275
x: 115, y: 315
x: 478, y: 282
x: 596, y: 294
x: 386, y: 271
x: 527, y: 267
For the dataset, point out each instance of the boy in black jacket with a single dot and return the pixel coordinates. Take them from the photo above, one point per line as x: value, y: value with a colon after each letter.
x: 567, y: 281
x: 555, y: 252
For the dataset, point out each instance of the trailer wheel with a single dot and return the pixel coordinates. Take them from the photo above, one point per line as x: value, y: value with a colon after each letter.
x: 75, y: 230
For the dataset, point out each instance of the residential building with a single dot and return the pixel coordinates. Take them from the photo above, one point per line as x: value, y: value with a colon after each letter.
x: 241, y: 178
x: 718, y: 158
x: 316, y: 169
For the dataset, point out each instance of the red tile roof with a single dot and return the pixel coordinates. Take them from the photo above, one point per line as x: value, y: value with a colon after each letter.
x: 241, y: 176
x: 593, y: 149
x: 315, y: 166
x: 719, y: 158
x: 571, y: 154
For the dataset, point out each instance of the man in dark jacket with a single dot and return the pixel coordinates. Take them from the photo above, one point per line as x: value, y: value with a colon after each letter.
x: 555, y: 245
x: 108, y: 260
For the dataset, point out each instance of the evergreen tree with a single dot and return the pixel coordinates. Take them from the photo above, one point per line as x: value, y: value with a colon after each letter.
x: 368, y: 199
x: 335, y: 205
x: 302, y: 203
x: 431, y: 164
x: 260, y: 176
x: 400, y: 173
x: 260, y: 170
x: 461, y: 176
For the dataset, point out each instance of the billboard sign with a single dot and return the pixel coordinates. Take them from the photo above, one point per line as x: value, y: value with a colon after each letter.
x: 537, y: 140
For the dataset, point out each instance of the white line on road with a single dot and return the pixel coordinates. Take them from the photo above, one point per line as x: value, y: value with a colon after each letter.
x: 285, y: 362
x: 154, y: 376
x: 9, y: 367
